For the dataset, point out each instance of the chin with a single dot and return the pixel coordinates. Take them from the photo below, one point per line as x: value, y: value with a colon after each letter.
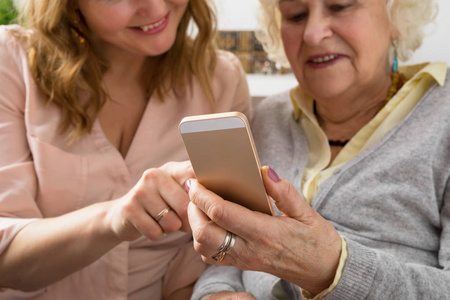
x: 161, y: 47
x: 328, y: 91
x: 157, y: 53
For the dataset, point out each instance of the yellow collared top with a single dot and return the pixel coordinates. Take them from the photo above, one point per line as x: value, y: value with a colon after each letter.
x: 319, y: 156
x: 390, y: 115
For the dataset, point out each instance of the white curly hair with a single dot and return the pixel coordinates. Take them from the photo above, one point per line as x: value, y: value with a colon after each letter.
x: 408, y: 16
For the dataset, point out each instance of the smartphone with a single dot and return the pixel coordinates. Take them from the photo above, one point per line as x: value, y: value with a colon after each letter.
x: 224, y: 158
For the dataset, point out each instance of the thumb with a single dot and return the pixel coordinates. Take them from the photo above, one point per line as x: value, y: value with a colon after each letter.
x: 285, y: 196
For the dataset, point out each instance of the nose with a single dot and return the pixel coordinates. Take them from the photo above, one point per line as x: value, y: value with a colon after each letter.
x: 151, y: 8
x: 317, y: 28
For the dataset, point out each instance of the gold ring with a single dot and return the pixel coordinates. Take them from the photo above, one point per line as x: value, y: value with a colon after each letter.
x: 219, y: 256
x: 226, y: 246
x: 161, y: 215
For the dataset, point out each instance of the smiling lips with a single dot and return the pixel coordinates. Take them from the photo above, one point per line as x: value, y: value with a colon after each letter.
x: 324, y: 59
x: 153, y: 26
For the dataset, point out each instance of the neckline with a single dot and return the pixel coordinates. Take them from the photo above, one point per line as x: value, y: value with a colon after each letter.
x: 398, y: 80
x: 338, y: 143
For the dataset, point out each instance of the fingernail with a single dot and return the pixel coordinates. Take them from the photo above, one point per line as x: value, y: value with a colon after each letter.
x: 273, y: 175
x: 187, y: 184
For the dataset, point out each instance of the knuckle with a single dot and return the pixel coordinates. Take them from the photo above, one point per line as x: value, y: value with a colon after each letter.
x: 202, y: 234
x: 190, y: 170
x: 170, y: 167
x: 195, y: 195
x: 127, y: 209
x: 151, y: 174
x: 168, y: 164
x: 128, y: 206
x: 153, y: 233
x: 199, y: 248
x: 139, y: 194
x: 216, y: 213
x: 310, y: 215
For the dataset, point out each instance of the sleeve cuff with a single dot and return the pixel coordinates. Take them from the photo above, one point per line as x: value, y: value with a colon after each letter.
x: 342, y: 260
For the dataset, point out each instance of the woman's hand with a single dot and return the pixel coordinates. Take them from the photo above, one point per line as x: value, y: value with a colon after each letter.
x: 300, y: 246
x: 97, y: 229
x: 157, y: 204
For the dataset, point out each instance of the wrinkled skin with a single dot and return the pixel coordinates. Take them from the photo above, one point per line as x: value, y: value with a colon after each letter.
x: 300, y: 246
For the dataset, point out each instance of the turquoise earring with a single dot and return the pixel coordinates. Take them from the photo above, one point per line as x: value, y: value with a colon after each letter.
x: 395, y: 64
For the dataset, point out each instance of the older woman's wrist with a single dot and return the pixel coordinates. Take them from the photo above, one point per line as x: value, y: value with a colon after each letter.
x: 338, y: 274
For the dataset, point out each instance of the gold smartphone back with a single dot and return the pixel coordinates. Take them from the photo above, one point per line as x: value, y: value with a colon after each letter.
x: 222, y: 152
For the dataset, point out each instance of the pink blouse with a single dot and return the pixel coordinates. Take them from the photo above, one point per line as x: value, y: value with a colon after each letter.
x: 41, y: 176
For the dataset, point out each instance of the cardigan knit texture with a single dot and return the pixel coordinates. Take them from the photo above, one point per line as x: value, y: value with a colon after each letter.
x: 391, y: 202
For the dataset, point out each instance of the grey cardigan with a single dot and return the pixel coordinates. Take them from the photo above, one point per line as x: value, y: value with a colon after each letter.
x: 391, y: 202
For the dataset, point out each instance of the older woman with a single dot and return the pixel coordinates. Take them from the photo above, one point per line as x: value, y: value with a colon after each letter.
x: 364, y: 143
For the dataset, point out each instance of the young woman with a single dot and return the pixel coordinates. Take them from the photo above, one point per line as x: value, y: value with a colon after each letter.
x: 92, y: 92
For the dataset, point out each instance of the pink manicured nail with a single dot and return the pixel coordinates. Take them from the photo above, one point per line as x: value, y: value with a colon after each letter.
x: 273, y: 175
x: 187, y: 184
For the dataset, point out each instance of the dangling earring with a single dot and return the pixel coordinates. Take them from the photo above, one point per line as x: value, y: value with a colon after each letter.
x: 81, y: 39
x: 398, y: 79
x: 76, y: 28
x: 395, y: 64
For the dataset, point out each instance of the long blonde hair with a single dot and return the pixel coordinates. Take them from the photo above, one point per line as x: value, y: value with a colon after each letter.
x: 66, y: 68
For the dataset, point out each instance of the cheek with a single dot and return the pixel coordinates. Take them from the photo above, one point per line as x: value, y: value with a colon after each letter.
x: 371, y: 49
x: 181, y: 8
x: 292, y: 40
x: 368, y: 37
x: 180, y: 5
x: 117, y: 18
x: 180, y: 2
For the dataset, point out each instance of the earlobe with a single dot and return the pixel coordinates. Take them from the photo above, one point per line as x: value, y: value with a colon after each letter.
x: 395, y: 33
